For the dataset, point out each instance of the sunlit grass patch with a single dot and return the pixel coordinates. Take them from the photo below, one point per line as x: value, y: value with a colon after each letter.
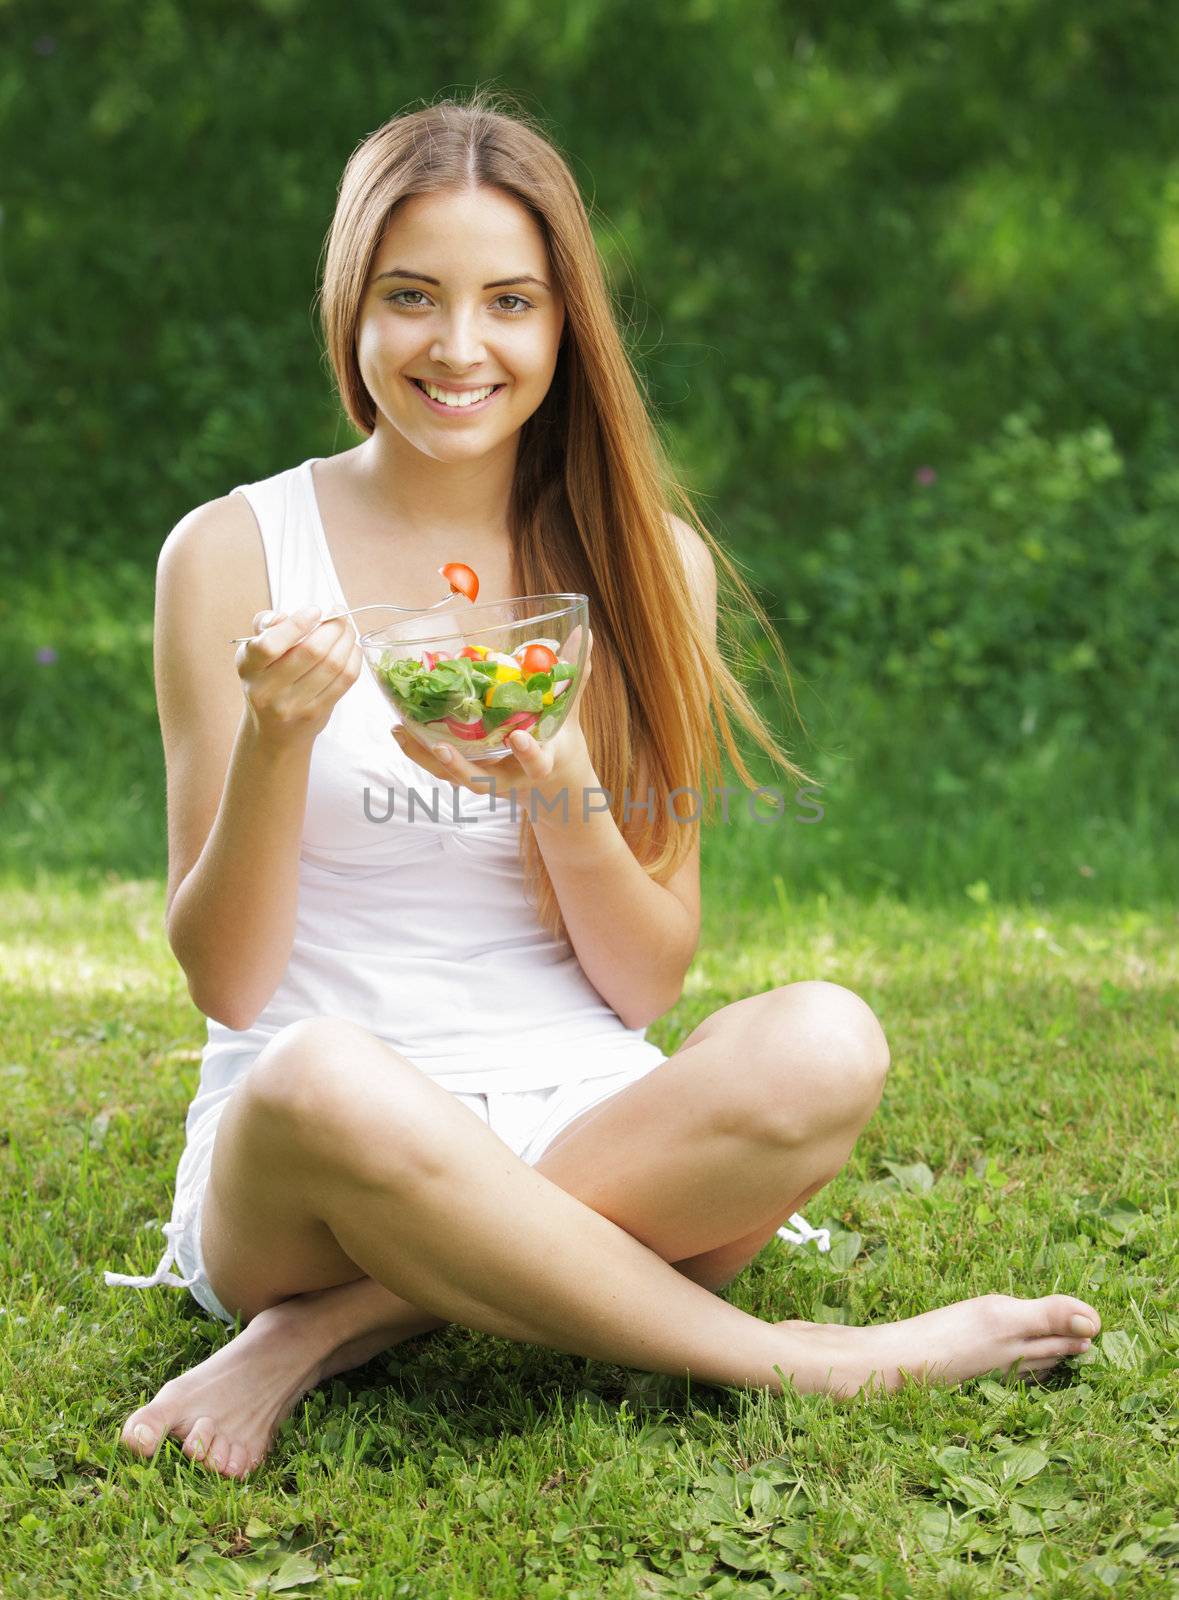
x: 1025, y: 1144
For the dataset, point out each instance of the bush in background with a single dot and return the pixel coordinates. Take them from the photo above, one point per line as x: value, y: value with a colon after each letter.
x: 902, y: 285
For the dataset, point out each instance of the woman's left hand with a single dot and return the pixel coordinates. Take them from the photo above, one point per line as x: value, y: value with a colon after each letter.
x: 547, y: 768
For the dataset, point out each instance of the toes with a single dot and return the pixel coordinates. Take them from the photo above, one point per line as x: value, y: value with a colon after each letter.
x: 228, y: 1457
x: 1092, y: 1316
x: 1078, y: 1317
x: 143, y: 1431
x: 1038, y: 1350
x: 1062, y: 1314
x: 219, y: 1456
x: 202, y: 1443
x: 200, y: 1439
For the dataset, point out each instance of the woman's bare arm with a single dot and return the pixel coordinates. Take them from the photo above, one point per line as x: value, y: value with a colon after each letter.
x: 236, y: 771
x: 635, y: 938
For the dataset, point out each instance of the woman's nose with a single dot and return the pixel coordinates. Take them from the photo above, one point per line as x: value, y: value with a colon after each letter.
x: 459, y: 345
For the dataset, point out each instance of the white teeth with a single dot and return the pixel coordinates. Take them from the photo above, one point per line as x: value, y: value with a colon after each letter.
x: 458, y: 401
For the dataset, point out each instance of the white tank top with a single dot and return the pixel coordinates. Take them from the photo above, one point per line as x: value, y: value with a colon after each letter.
x: 420, y: 930
x: 417, y: 930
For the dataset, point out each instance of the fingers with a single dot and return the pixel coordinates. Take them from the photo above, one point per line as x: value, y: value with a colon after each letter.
x: 444, y: 761
x: 523, y: 743
x: 440, y: 761
x: 294, y: 651
x: 422, y: 754
x: 279, y: 635
x: 303, y: 651
x: 343, y: 658
x: 321, y: 652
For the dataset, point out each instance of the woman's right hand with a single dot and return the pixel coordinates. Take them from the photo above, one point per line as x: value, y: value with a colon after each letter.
x: 294, y: 671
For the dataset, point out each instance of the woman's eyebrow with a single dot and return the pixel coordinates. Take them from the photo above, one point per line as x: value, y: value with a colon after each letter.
x: 422, y: 277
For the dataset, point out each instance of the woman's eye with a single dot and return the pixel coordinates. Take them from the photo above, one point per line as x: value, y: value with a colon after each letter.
x: 521, y: 306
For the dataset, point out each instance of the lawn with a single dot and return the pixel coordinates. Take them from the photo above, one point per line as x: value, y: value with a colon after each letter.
x: 1026, y: 1143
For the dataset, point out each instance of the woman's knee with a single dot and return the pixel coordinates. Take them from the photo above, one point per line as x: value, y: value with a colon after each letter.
x: 300, y: 1065
x: 322, y: 1083
x: 822, y: 1061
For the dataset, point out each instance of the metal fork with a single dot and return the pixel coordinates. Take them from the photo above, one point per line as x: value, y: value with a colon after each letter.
x: 376, y: 606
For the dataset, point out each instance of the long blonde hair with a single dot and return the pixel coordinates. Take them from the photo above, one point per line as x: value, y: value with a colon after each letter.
x: 593, y: 492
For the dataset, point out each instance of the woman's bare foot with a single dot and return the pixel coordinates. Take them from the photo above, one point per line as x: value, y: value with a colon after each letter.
x: 228, y: 1408
x: 994, y: 1333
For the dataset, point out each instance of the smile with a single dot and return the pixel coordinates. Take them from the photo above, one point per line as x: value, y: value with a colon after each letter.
x: 470, y: 400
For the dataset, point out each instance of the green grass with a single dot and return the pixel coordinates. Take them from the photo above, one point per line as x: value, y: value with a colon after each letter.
x: 1026, y: 1143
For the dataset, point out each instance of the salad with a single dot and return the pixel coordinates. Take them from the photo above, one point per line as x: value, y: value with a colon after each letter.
x: 477, y: 697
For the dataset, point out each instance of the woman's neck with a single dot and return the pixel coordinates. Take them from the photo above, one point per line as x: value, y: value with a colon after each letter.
x: 425, y: 497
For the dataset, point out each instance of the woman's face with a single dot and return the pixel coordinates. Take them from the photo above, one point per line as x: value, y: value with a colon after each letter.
x: 438, y: 310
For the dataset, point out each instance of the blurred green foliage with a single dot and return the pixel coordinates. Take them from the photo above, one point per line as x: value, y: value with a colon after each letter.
x: 901, y: 280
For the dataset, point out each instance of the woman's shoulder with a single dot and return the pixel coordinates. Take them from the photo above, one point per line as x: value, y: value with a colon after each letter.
x: 228, y: 528
x: 217, y: 547
x: 700, y: 566
x: 216, y: 530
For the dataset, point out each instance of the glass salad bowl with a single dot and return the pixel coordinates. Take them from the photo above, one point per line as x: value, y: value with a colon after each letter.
x: 472, y: 676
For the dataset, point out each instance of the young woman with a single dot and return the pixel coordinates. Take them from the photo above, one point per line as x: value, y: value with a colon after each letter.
x: 368, y: 987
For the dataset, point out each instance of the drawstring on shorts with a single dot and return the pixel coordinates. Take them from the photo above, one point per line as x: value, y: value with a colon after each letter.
x: 821, y: 1236
x: 163, y: 1275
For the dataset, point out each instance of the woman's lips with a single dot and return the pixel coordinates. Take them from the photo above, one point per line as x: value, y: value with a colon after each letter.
x: 455, y: 411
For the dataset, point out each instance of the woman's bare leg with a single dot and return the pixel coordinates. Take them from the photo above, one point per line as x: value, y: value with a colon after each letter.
x: 253, y: 1382
x: 395, y: 1181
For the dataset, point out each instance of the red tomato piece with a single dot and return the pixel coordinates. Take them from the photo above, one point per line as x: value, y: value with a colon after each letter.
x: 470, y: 652
x: 537, y: 658
x: 461, y: 578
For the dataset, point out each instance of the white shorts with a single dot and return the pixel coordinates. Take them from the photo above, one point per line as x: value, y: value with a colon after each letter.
x: 527, y: 1120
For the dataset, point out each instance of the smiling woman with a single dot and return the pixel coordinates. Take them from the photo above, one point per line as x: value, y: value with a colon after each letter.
x: 465, y: 348
x: 480, y: 328
x: 403, y: 1021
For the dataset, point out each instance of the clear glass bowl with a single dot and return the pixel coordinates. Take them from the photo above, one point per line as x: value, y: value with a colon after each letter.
x: 461, y: 676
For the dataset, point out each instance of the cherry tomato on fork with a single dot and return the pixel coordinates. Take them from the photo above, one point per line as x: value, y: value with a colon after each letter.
x: 462, y: 579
